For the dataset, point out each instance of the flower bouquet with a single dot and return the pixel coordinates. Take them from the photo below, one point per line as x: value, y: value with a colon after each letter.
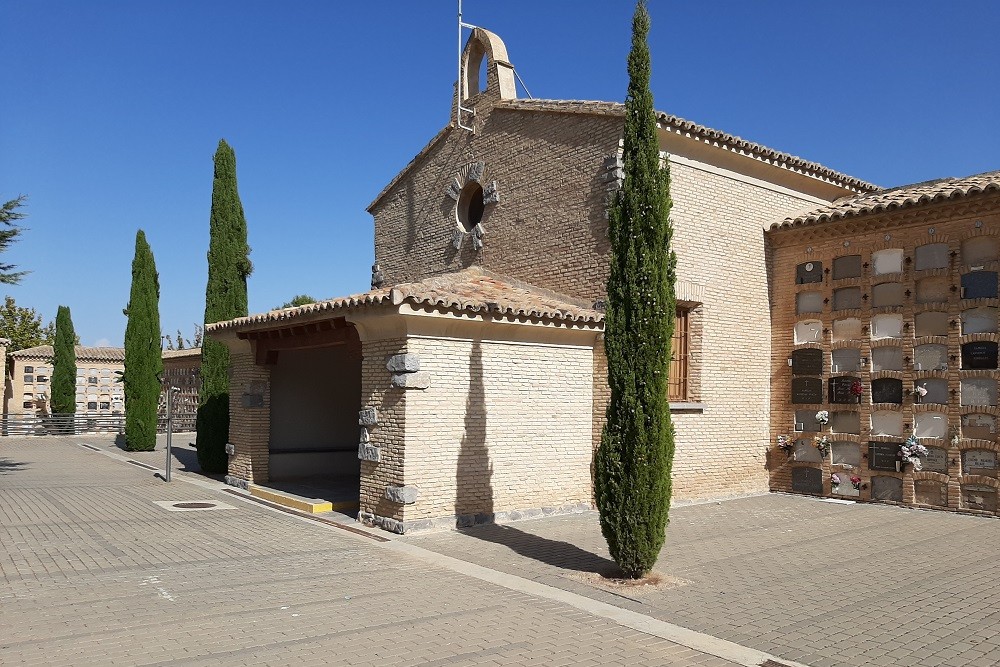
x: 822, y: 443
x: 786, y: 444
x: 912, y: 451
x: 823, y: 416
x: 835, y: 481
x: 857, y: 389
x: 856, y: 482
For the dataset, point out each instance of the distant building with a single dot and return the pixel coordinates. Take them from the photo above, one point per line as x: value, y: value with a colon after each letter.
x: 182, y: 369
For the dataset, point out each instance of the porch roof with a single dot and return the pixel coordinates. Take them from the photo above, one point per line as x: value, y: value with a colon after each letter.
x: 470, y: 291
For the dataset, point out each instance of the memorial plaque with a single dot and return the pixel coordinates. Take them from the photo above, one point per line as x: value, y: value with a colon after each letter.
x: 887, y: 488
x: 887, y: 390
x: 845, y: 422
x: 931, y: 256
x: 936, y: 460
x: 887, y: 294
x: 809, y: 272
x: 807, y: 480
x: 252, y: 400
x: 930, y: 323
x: 805, y: 452
x: 930, y: 425
x: 979, y: 285
x: 887, y: 358
x: 847, y: 454
x: 979, y: 391
x: 979, y: 426
x: 979, y: 497
x: 929, y: 492
x: 847, y: 298
x: 933, y: 290
x: 846, y: 360
x: 848, y: 266
x: 937, y: 391
x: 887, y: 325
x: 883, y: 455
x: 887, y: 422
x: 807, y: 390
x: 809, y: 302
x: 979, y: 320
x: 845, y: 488
x: 805, y: 420
x: 887, y: 261
x: 979, y: 462
x: 839, y: 389
x: 807, y: 362
x: 930, y: 357
x: 979, y: 250
x: 981, y: 354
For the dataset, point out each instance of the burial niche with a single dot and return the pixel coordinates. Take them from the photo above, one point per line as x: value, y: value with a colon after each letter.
x: 979, y: 355
x: 807, y: 390
x: 979, y: 391
x: 930, y: 357
x: 845, y: 422
x: 979, y: 462
x: 936, y: 460
x: 933, y: 290
x: 805, y: 420
x: 930, y: 425
x: 887, y: 325
x: 931, y: 256
x: 931, y: 323
x: 804, y: 451
x: 841, y: 389
x: 979, y: 250
x: 979, y: 285
x: 808, y: 302
x: 847, y: 329
x: 807, y: 480
x: 846, y: 360
x: 887, y: 358
x: 883, y: 455
x: 979, y: 320
x: 808, y: 361
x: 936, y: 391
x: 979, y: 497
x: 848, y: 266
x: 809, y: 272
x: 887, y: 488
x: 930, y: 492
x: 887, y: 422
x: 887, y: 294
x: 887, y: 261
x: 847, y: 298
x: 847, y: 454
x: 979, y: 426
x: 887, y: 390
x: 808, y: 331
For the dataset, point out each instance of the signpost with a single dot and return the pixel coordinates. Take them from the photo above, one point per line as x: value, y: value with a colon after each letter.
x: 170, y: 426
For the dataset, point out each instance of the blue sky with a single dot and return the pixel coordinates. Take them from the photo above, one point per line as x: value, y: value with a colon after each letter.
x: 112, y: 111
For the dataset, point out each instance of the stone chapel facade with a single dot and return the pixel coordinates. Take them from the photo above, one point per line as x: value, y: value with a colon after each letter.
x: 469, y: 384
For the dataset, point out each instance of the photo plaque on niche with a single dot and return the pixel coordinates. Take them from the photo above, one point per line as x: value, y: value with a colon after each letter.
x: 887, y: 390
x: 807, y: 480
x: 980, y: 354
x: 809, y: 272
x: 883, y: 455
x: 807, y: 362
x: 979, y: 285
x: 887, y: 488
x: 839, y: 389
x: 807, y: 390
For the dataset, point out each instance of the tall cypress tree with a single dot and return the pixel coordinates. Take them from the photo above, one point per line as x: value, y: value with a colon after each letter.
x: 64, y: 365
x: 632, y: 466
x: 225, y: 298
x: 143, y: 358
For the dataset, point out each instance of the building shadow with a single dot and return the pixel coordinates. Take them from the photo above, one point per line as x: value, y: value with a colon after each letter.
x: 474, y: 471
x: 8, y: 466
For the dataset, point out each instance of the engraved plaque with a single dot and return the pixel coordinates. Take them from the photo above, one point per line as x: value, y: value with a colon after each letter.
x: 930, y: 357
x: 887, y: 390
x: 937, y: 391
x: 887, y: 294
x: 929, y: 492
x: 979, y: 285
x: 253, y: 401
x: 883, y: 455
x: 845, y: 488
x: 848, y: 266
x: 847, y: 298
x: 807, y: 480
x: 979, y: 497
x: 845, y: 422
x: 807, y: 390
x: 839, y: 389
x: 979, y: 320
x: 931, y: 256
x: 809, y: 272
x: 887, y: 488
x: 979, y: 462
x: 979, y: 426
x: 936, y: 460
x: 807, y: 362
x: 982, y: 354
x: 846, y: 454
x: 846, y: 360
x: 887, y: 359
x: 805, y: 420
x: 809, y: 302
x: 804, y: 451
x: 979, y: 391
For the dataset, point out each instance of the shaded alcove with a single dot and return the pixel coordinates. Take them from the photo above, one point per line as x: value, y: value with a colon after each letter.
x: 847, y: 298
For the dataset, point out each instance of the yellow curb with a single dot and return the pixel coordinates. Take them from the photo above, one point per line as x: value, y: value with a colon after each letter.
x: 313, y: 506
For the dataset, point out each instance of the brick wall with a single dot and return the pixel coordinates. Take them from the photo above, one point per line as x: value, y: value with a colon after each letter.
x: 250, y: 422
x: 953, y: 225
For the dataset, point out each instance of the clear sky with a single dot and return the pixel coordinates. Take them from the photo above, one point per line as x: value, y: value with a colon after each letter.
x: 112, y: 111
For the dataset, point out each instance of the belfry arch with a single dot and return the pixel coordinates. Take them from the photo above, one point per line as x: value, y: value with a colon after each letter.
x: 499, y: 72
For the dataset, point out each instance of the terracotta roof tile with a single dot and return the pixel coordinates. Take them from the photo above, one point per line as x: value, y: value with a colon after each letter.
x: 897, y: 198
x: 186, y: 352
x: 471, y: 290
x: 83, y: 353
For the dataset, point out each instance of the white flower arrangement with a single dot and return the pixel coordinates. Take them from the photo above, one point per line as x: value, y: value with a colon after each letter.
x: 920, y: 391
x: 822, y: 443
x: 823, y: 416
x: 912, y: 451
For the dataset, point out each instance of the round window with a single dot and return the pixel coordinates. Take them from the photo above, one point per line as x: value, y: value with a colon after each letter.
x: 470, y: 206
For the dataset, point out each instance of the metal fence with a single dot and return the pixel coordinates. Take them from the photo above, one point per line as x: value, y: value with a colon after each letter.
x: 72, y: 424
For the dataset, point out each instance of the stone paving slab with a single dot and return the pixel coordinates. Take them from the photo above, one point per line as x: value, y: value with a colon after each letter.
x: 95, y: 572
x: 822, y: 583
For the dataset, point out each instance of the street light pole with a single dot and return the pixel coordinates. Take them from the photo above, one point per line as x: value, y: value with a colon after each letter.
x: 170, y: 425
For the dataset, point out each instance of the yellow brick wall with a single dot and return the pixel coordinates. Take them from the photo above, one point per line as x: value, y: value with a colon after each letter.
x: 249, y: 427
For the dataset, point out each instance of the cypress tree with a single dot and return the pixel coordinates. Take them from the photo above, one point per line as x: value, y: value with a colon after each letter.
x: 225, y: 298
x: 632, y: 466
x: 64, y: 365
x: 143, y: 358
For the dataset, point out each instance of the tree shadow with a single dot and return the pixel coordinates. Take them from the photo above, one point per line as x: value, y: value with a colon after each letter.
x: 556, y: 553
x: 474, y: 471
x: 8, y: 466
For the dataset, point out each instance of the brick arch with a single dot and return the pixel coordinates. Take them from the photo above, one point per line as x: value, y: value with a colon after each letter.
x: 932, y: 476
x: 978, y: 479
x: 499, y: 72
x: 966, y: 445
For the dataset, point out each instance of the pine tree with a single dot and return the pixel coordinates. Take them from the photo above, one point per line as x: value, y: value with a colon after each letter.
x: 64, y: 364
x: 632, y: 466
x: 143, y: 360
x: 225, y: 298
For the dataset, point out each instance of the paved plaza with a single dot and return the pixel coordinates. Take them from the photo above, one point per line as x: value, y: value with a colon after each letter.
x: 99, y: 568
